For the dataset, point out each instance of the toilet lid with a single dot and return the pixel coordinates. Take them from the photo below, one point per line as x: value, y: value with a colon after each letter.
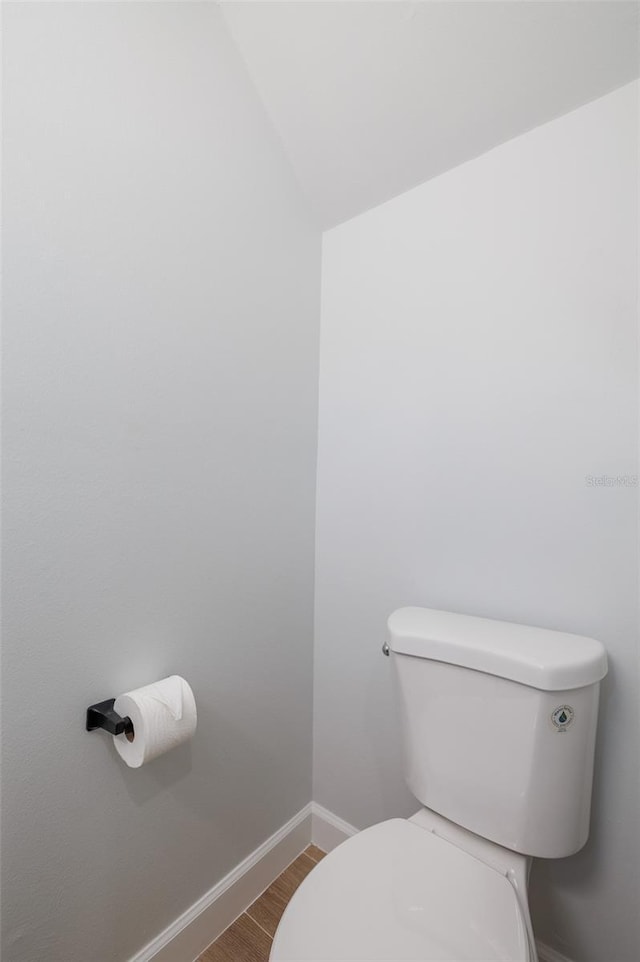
x: 398, y: 892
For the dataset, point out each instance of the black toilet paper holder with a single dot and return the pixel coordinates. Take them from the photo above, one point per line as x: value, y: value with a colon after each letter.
x: 102, y: 715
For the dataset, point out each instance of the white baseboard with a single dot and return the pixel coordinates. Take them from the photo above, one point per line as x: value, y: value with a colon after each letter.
x: 190, y: 934
x: 327, y: 829
x: 547, y: 954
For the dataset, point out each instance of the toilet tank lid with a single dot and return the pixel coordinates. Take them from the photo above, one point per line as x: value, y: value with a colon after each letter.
x: 538, y: 657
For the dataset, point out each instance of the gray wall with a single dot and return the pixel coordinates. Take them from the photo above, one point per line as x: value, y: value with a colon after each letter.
x: 161, y: 312
x: 478, y: 362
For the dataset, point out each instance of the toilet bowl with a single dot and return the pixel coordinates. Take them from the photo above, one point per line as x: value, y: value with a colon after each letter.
x: 494, y: 718
x: 399, y: 891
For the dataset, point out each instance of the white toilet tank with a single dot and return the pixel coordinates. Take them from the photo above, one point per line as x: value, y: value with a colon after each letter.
x: 499, y: 724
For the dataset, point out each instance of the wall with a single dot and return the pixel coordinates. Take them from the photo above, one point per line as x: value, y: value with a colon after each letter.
x: 161, y: 313
x: 478, y: 361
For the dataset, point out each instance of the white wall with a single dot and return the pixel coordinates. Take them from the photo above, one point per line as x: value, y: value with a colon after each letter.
x: 478, y: 360
x: 161, y: 313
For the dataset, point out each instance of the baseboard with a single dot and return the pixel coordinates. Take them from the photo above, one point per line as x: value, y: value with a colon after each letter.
x: 547, y: 954
x: 327, y: 829
x: 190, y: 934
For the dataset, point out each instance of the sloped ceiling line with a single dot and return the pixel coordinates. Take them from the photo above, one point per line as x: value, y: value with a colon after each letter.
x: 371, y: 99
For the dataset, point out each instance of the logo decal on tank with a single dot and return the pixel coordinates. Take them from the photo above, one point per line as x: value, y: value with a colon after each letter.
x: 562, y: 717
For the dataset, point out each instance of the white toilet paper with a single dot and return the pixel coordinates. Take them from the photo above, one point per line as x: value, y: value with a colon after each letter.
x: 163, y: 715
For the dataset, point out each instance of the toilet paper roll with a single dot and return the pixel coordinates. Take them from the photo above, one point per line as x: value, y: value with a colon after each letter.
x: 163, y: 715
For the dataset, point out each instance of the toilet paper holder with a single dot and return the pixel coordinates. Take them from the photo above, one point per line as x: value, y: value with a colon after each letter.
x: 102, y: 715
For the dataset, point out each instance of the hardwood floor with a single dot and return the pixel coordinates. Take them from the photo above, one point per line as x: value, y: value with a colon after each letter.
x: 249, y: 938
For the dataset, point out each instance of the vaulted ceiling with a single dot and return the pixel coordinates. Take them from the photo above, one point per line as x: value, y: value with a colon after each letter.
x: 373, y: 98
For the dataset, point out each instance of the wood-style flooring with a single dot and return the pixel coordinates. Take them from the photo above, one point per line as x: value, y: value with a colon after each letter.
x: 249, y: 938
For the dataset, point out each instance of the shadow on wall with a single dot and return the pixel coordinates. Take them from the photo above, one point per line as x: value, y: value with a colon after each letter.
x: 577, y: 874
x: 185, y: 775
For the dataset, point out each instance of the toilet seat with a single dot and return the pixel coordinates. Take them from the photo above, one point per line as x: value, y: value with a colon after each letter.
x: 395, y: 893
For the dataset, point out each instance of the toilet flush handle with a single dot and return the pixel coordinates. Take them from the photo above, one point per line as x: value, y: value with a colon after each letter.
x: 385, y: 649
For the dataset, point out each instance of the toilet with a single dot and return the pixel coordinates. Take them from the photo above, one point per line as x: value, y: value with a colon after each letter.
x: 498, y: 724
